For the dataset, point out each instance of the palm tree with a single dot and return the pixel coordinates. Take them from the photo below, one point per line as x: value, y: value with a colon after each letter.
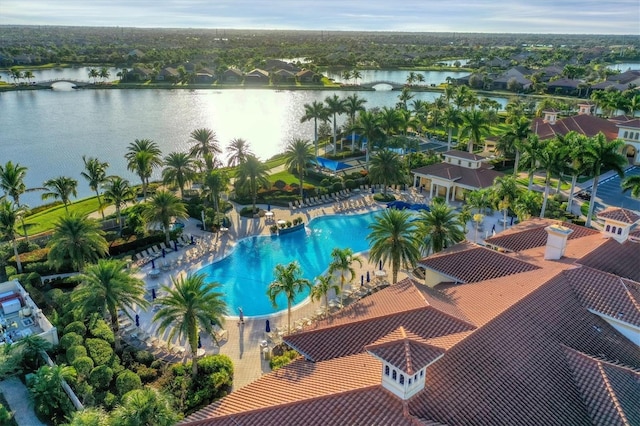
x: 146, y: 406
x: 505, y: 191
x: 335, y: 107
x: 206, y: 145
x: 104, y: 73
x: 352, y: 105
x: 439, y: 228
x: 96, y: 174
x: 314, y: 111
x: 287, y: 281
x: 390, y: 120
x: 356, y: 75
x: 215, y: 182
x: 531, y: 150
x: 298, y: 157
x: 341, y: 263
x: 12, y: 183
x: 480, y: 200
x: 552, y: 159
x: 78, y: 239
x: 94, y: 74
x: 528, y: 204
x: 452, y: 120
x: 142, y: 156
x: 368, y: 125
x: 577, y: 164
x: 9, y: 214
x: 117, y: 191
x: 162, y: 208
x: 517, y: 132
x: 179, y: 169
x: 238, y: 150
x: 191, y: 306
x: 475, y: 122
x: 107, y: 287
x: 603, y: 154
x: 632, y: 183
x: 62, y: 187
x: 386, y: 168
x: 322, y: 288
x: 251, y: 176
x: 45, y: 388
x: 393, y: 239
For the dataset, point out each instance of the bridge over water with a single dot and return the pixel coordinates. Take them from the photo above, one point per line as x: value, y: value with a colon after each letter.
x: 394, y: 85
x: 49, y: 83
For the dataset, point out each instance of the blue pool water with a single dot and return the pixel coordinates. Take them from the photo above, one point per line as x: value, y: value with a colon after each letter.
x: 247, y: 272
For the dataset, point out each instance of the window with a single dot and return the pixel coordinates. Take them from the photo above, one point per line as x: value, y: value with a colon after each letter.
x: 608, y: 228
x: 469, y: 163
x: 637, y: 136
x: 626, y: 134
x: 613, y: 229
x: 459, y: 162
x: 394, y: 375
x: 421, y: 373
x: 386, y: 370
x: 402, y: 379
x: 415, y: 377
x: 619, y: 231
x: 409, y: 382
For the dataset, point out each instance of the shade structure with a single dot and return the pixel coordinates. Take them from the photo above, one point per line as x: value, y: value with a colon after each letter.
x: 267, y: 327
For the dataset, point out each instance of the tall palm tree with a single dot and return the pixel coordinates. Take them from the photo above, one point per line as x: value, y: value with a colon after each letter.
x: 106, y: 287
x: 179, y: 169
x: 9, y: 214
x: 475, y: 122
x: 215, y: 182
x: 368, y: 124
x: 352, y: 105
x: 314, y: 111
x: 287, y: 281
x: 78, y: 239
x: 390, y: 120
x: 147, y: 406
x: 393, y: 239
x: 298, y: 157
x: 517, y: 132
x: 481, y: 200
x: 577, y: 165
x: 530, y: 151
x: 162, y: 208
x: 191, y: 305
x: 323, y: 286
x: 117, y: 191
x: 62, y: 187
x: 386, y: 168
x: 602, y: 153
x: 342, y: 261
x: 206, y: 145
x: 12, y: 183
x: 632, y: 183
x: 505, y: 191
x: 439, y: 228
x: 552, y: 159
x: 452, y: 120
x: 251, y: 176
x: 528, y: 204
x: 142, y: 156
x: 335, y: 107
x: 95, y: 172
x: 238, y: 150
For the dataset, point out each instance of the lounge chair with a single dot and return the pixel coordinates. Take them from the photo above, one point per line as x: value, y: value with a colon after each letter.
x: 291, y: 207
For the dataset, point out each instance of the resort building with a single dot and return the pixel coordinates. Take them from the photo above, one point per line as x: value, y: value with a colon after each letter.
x: 20, y: 316
x: 459, y: 173
x: 541, y: 327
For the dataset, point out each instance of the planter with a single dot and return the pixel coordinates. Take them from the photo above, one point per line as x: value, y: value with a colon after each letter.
x: 291, y: 229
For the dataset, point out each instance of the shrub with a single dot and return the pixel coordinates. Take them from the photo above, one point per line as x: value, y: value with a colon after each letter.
x: 273, y: 229
x: 280, y: 361
x: 100, y: 377
x: 336, y: 187
x: 144, y: 357
x: 213, y: 363
x: 83, y: 365
x: 384, y: 199
x: 280, y: 184
x: 74, y: 352
x: 101, y: 330
x: 110, y: 400
x: 100, y: 351
x: 70, y: 339
x: 350, y: 184
x: 127, y: 381
x: 76, y: 327
x: 146, y: 374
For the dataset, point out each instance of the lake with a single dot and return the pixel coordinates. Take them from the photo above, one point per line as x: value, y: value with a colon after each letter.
x: 48, y: 131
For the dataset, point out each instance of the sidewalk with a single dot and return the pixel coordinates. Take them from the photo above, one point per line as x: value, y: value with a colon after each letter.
x: 17, y: 396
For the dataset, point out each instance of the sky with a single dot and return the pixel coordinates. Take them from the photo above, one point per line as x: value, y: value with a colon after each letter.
x: 497, y: 16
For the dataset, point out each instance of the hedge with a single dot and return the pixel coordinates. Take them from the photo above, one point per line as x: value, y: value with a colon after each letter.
x: 70, y: 339
x: 127, y: 381
x: 83, y: 365
x: 101, y: 330
x: 136, y: 244
x: 100, y: 377
x: 75, y: 352
x: 76, y: 327
x: 100, y: 351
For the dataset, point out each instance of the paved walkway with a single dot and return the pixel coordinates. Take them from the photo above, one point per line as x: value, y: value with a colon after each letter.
x: 17, y: 396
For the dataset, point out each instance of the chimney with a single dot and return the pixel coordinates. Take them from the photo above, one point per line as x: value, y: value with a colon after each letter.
x: 557, y: 236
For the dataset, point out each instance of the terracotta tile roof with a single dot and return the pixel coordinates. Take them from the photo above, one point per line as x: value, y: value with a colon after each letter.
x: 475, y: 264
x: 482, y: 177
x: 464, y: 155
x: 513, y: 370
x: 619, y: 215
x: 585, y: 124
x: 405, y: 351
x: 607, y: 294
x: 531, y: 234
x: 635, y: 123
x: 607, y: 389
x: 615, y: 258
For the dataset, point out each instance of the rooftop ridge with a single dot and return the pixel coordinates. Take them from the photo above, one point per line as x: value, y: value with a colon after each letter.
x: 612, y: 393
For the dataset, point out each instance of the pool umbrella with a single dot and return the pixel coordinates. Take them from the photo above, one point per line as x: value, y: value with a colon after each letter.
x: 493, y: 229
x: 368, y: 279
x: 421, y: 188
x: 164, y: 253
x: 192, y: 241
x: 381, y: 265
x: 268, y: 207
x: 153, y: 293
x: 175, y: 245
x: 137, y: 320
x: 268, y: 327
x: 199, y: 342
x: 153, y: 264
x: 511, y: 220
x: 361, y: 280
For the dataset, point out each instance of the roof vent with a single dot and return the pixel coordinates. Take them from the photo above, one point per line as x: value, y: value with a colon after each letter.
x: 557, y: 236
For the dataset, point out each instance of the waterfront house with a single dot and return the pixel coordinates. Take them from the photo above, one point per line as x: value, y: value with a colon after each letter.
x: 232, y: 75
x: 257, y: 77
x: 307, y: 76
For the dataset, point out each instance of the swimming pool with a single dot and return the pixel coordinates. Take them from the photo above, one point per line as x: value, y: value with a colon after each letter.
x: 247, y: 272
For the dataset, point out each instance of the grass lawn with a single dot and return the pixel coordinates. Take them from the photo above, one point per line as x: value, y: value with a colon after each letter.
x: 289, y: 178
x: 46, y: 220
x: 540, y: 182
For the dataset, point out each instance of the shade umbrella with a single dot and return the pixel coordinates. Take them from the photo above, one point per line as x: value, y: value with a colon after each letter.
x: 153, y: 264
x: 381, y: 265
x: 268, y: 207
x: 175, y: 245
x: 153, y: 293
x: 137, y: 320
x: 268, y: 327
x: 361, y: 279
x: 192, y: 241
x: 368, y: 278
x: 164, y: 253
x: 199, y: 342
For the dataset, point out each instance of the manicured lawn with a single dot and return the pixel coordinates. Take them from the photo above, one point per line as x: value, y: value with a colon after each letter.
x: 289, y: 178
x: 540, y: 182
x: 46, y: 220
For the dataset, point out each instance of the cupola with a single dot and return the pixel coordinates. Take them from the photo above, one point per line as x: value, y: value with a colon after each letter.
x: 618, y: 223
x: 550, y: 116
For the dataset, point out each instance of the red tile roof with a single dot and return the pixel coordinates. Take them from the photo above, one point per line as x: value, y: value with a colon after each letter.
x: 607, y: 389
x: 607, y: 294
x: 584, y: 124
x: 475, y: 264
x: 464, y: 155
x: 531, y: 234
x: 616, y: 258
x: 482, y: 177
x: 405, y: 351
x: 619, y: 215
x: 635, y: 124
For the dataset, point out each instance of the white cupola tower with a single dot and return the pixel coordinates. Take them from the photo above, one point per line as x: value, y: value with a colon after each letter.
x: 618, y: 223
x: 550, y: 116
